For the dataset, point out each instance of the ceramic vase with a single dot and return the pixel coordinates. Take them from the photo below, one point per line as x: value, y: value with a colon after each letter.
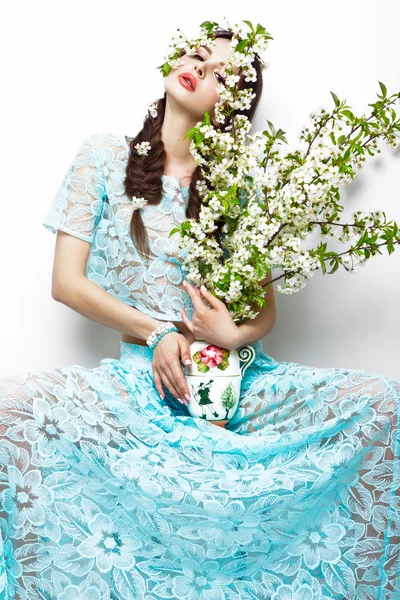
x: 214, y: 379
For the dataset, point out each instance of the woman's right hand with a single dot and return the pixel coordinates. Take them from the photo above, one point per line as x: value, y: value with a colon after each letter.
x: 169, y: 351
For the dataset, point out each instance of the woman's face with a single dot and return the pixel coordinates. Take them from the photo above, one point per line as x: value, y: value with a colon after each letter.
x: 205, y: 67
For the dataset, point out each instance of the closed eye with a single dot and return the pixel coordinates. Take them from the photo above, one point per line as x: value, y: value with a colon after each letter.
x: 222, y: 80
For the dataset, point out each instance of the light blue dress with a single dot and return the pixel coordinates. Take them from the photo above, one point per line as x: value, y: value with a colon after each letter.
x: 108, y: 492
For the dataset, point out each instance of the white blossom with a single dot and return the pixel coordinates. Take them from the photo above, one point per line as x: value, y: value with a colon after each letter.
x: 138, y: 202
x: 143, y: 148
x: 153, y: 109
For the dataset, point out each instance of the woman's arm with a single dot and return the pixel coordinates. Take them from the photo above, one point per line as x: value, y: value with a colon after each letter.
x: 71, y: 287
x: 92, y: 301
x: 252, y: 330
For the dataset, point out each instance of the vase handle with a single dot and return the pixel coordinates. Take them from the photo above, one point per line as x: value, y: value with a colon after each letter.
x: 247, y: 355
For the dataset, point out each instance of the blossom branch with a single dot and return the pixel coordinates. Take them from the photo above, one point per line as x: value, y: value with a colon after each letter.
x: 265, y: 203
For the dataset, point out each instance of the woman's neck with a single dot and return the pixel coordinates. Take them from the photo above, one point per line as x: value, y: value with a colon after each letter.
x: 175, y: 126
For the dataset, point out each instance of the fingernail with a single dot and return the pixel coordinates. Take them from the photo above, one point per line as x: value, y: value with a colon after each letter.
x: 181, y: 401
x: 188, y: 362
x: 203, y: 289
x: 187, y: 397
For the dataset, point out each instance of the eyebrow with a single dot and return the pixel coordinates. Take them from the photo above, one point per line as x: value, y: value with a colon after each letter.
x: 210, y: 52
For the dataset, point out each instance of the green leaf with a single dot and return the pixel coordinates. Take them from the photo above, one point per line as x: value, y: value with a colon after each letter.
x: 249, y: 24
x: 334, y: 268
x: 271, y: 126
x: 233, y: 188
x: 199, y: 138
x: 383, y: 88
x: 336, y: 99
x: 165, y: 68
x: 348, y: 114
x: 280, y: 135
x: 191, y: 133
x: 175, y: 230
x: 241, y: 46
x: 346, y: 154
x: 202, y: 367
x: 223, y: 365
x: 323, y: 266
x: 209, y: 25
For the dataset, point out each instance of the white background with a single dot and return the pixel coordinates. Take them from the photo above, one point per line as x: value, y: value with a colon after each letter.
x: 72, y: 69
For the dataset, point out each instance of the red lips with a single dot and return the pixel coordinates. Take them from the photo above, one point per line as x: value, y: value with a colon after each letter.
x: 192, y: 81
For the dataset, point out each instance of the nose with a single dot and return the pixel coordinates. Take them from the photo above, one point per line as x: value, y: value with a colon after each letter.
x: 198, y: 70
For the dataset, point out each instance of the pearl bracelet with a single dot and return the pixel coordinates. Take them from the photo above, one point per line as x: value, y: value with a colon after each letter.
x: 158, y: 330
x: 161, y: 335
x: 158, y: 333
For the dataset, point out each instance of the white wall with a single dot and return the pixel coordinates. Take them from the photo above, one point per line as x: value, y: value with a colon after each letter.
x: 77, y: 68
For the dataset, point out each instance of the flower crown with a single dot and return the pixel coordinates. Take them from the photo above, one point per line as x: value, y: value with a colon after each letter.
x: 247, y: 44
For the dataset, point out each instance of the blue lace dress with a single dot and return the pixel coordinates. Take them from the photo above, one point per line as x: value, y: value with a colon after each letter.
x: 108, y: 492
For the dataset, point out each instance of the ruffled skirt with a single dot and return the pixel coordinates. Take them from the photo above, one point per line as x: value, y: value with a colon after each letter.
x: 108, y: 492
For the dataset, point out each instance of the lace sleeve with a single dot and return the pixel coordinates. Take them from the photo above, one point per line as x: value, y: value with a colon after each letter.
x: 77, y: 205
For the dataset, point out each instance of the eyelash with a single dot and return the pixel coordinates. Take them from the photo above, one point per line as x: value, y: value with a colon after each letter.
x: 196, y: 54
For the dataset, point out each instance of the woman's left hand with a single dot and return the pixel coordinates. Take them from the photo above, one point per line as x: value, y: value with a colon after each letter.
x: 213, y: 325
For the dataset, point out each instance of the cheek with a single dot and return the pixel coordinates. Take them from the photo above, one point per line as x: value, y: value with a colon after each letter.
x: 184, y: 60
x: 211, y: 93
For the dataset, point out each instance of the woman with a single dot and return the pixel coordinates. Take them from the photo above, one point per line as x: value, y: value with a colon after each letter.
x: 110, y: 489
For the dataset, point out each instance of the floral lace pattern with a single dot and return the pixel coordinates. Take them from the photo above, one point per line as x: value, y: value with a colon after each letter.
x: 91, y: 204
x: 108, y: 492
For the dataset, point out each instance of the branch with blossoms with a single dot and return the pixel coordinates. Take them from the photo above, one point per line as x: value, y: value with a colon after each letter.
x: 258, y: 206
x: 302, y: 193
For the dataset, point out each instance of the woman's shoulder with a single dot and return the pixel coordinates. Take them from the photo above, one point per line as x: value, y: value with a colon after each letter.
x: 105, y: 139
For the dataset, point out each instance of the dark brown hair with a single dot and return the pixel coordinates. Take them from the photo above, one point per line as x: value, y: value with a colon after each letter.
x: 143, y: 173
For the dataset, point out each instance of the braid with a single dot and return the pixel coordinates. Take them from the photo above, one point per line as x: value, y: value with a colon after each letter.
x: 143, y: 173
